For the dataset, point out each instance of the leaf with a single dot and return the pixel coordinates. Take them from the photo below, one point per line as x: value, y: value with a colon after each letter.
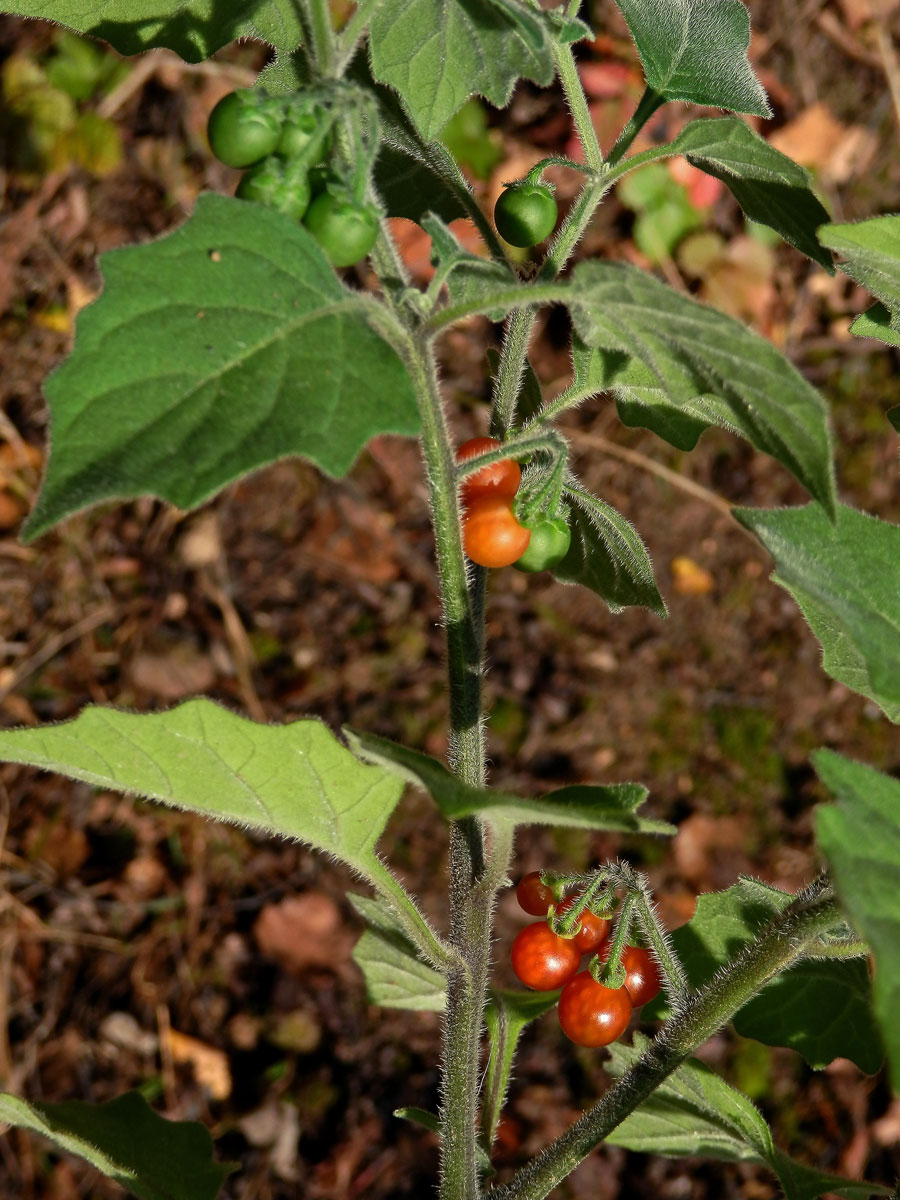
x: 696, y: 50
x: 212, y: 352
x: 472, y: 279
x: 846, y: 578
x: 770, y: 187
x: 821, y: 1008
x: 195, y: 30
x: 687, y: 346
x: 876, y: 322
x: 412, y: 176
x: 437, y: 53
x: 860, y: 837
x: 395, y: 975
x: 640, y: 400
x: 696, y: 1113
x: 872, y: 252
x: 893, y: 415
x: 581, y: 807
x: 296, y: 780
x: 607, y: 556
x: 125, y: 1139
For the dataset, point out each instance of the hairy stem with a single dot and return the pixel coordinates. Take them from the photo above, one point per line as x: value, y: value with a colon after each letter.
x: 322, y: 36
x: 779, y: 946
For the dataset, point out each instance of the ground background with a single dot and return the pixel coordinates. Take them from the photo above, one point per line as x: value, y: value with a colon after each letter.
x: 140, y: 948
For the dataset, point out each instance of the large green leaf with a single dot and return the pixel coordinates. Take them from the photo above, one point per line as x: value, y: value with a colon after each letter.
x: 846, y: 578
x: 395, y: 974
x: 220, y: 348
x: 295, y: 780
x: 860, y: 836
x: 821, y: 1008
x: 690, y: 351
x: 696, y: 50
x: 871, y: 250
x: 153, y: 1158
x: 195, y: 29
x: 581, y: 806
x: 437, y: 53
x: 770, y: 187
x: 696, y: 1113
x: 607, y: 555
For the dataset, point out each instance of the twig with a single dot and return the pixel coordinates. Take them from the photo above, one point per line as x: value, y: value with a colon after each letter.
x: 53, y: 646
x: 888, y: 55
x: 636, y: 459
x: 147, y: 67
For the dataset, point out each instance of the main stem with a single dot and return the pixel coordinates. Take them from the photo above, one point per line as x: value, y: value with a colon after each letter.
x: 778, y: 947
x: 470, y: 905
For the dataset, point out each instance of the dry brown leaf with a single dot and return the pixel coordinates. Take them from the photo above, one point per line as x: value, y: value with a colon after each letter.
x: 183, y: 671
x: 303, y: 931
x: 210, y: 1065
x: 811, y: 137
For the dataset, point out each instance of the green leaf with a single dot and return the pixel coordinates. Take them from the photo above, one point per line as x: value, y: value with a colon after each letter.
x: 696, y: 1113
x: 395, y: 975
x: 125, y: 1139
x: 195, y: 30
x: 872, y: 252
x: 691, y: 350
x: 212, y: 352
x: 607, y: 556
x: 472, y: 279
x: 581, y: 807
x: 296, y: 780
x: 437, y: 53
x: 860, y: 837
x: 821, y: 1008
x: 640, y: 400
x: 770, y: 187
x: 875, y: 322
x: 696, y: 50
x: 846, y: 578
x: 893, y: 415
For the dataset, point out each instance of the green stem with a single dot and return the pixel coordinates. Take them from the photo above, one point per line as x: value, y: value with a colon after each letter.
x: 581, y: 115
x: 513, y: 357
x: 354, y: 31
x: 322, y: 36
x: 779, y: 946
x: 470, y: 909
x: 647, y: 106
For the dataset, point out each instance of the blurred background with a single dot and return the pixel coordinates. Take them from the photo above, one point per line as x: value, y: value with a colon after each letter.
x: 145, y: 949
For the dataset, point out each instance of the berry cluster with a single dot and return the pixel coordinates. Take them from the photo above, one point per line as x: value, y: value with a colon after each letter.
x: 282, y: 143
x: 493, y: 536
x: 591, y: 1013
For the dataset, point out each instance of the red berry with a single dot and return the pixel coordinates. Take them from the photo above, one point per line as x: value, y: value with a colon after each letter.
x: 591, y: 1014
x: 642, y: 979
x: 534, y: 896
x: 542, y: 959
x: 496, y: 479
x: 593, y: 932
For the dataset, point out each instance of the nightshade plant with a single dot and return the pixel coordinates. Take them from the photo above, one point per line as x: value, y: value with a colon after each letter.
x: 224, y: 346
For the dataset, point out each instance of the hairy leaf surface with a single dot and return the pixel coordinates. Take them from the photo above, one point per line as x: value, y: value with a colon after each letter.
x: 846, y: 578
x: 216, y: 350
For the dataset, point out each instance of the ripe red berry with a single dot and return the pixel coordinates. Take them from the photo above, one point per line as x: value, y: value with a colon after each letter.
x: 593, y: 932
x: 642, y: 979
x: 591, y: 1014
x: 542, y: 959
x: 534, y: 896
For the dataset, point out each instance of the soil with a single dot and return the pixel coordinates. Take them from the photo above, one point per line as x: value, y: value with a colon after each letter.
x: 142, y: 948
